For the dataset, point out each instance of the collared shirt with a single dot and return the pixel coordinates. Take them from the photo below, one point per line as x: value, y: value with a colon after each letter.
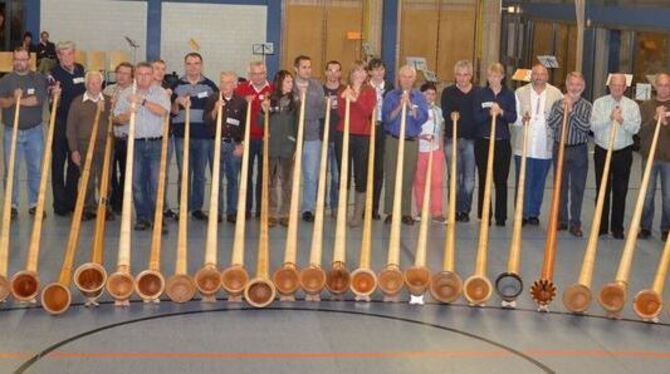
x: 433, y: 126
x: 112, y: 91
x: 578, y: 124
x: 601, y: 124
x: 455, y: 100
x: 412, y: 124
x: 538, y: 145
x: 95, y: 99
x: 147, y: 124
x: 198, y: 93
x: 484, y: 97
x: 258, y: 95
x: 380, y: 98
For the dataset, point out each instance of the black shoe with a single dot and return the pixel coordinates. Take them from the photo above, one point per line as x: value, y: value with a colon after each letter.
x: 664, y: 235
x: 14, y: 213
x: 644, y: 234
x: 602, y: 232
x: 500, y: 223
x: 142, y: 225
x: 87, y: 216
x: 32, y: 211
x: 562, y: 226
x: 465, y: 217
x: 524, y: 221
x: 533, y: 221
x: 283, y: 221
x: 61, y: 213
x: 170, y: 214
x: 376, y: 216
x: 576, y: 231
x: 308, y: 216
x: 617, y: 235
x: 199, y: 215
x: 408, y: 220
x: 219, y: 218
x: 110, y: 216
x: 231, y: 218
x: 388, y: 219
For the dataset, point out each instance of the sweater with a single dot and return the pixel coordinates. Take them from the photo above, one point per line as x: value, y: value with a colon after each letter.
x: 647, y: 127
x: 360, y: 111
x: 80, y: 120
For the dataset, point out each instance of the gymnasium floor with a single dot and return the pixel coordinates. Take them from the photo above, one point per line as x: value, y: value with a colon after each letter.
x: 343, y: 336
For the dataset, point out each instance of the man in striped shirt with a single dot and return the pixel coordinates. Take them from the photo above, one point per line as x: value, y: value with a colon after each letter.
x: 576, y: 163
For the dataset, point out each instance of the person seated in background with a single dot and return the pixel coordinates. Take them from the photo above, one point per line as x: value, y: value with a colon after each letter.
x: 46, y: 54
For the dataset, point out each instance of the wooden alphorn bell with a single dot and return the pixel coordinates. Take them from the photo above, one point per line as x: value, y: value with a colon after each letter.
x: 260, y: 292
x: 391, y: 279
x: 150, y: 283
x: 363, y: 279
x: 287, y: 278
x: 446, y: 286
x: 180, y: 288
x: 25, y: 284
x: 208, y: 278
x: 90, y: 278
x: 577, y: 298
x: 5, y: 286
x: 543, y: 290
x: 509, y: 284
x: 477, y: 288
x: 56, y: 297
x: 313, y: 277
x: 235, y: 277
x: 613, y: 295
x: 338, y: 278
x: 121, y: 284
x: 649, y: 302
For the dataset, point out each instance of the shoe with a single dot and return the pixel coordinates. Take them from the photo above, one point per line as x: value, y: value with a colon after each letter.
x: 465, y: 217
x: 408, y: 220
x: 562, y: 226
x: 61, y: 213
x: 308, y: 216
x: 533, y: 221
x: 417, y: 218
x: 576, y: 231
x: 388, y: 219
x: 664, y: 235
x: 169, y: 213
x: 230, y: 218
x: 14, y: 213
x: 439, y: 220
x: 87, y: 216
x: 199, y: 215
x: 32, y: 210
x: 524, y: 221
x: 283, y: 221
x: 110, y: 216
x: 376, y: 216
x: 602, y: 232
x: 644, y: 234
x: 272, y: 222
x: 142, y: 225
x: 219, y: 218
x: 617, y: 235
x: 359, y: 205
x: 500, y: 223
x: 258, y: 214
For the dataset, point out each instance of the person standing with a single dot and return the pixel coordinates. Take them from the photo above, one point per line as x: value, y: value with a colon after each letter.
x: 159, y: 79
x: 332, y: 88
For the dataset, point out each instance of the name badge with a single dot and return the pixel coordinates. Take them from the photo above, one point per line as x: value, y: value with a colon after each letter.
x: 78, y: 80
x: 487, y: 104
x: 233, y: 121
x: 202, y: 95
x: 261, y: 97
x: 30, y: 91
x: 333, y: 102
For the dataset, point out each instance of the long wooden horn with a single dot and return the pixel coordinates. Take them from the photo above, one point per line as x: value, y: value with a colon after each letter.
x: 26, y: 283
x: 477, y: 288
x: 180, y: 288
x: 313, y: 277
x: 543, y: 290
x: 260, y: 291
x: 287, y: 278
x: 649, y: 302
x: 120, y: 284
x: 5, y: 285
x: 208, y: 278
x: 363, y: 279
x: 235, y: 277
x: 509, y: 284
x: 391, y: 279
x: 577, y: 298
x: 338, y: 278
x: 613, y: 295
x: 446, y: 286
x: 56, y: 297
x: 150, y: 283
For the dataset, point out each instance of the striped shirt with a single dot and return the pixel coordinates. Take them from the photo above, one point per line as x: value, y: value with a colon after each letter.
x: 199, y: 93
x: 579, y: 122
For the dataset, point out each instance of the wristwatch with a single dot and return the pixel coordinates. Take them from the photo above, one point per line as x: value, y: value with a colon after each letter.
x: 144, y: 101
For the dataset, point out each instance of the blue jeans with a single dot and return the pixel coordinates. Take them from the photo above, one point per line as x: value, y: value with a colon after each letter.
x: 536, y: 176
x: 170, y: 152
x: 29, y: 145
x: 254, y: 190
x: 660, y: 170
x: 334, y: 176
x: 200, y: 154
x: 311, y: 154
x: 465, y: 171
x: 146, y: 160
x: 575, y: 171
x: 229, y: 168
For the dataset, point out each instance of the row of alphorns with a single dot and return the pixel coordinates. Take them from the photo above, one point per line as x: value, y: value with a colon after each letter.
x: 445, y: 286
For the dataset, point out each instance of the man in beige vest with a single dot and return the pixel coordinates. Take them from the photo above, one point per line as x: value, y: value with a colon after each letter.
x: 534, y: 102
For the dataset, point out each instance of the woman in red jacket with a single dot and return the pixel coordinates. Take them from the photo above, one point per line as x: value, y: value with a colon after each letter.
x: 363, y: 100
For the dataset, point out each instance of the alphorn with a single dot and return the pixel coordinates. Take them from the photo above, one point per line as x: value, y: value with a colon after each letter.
x: 5, y: 286
x: 391, y: 279
x: 235, y: 277
x: 260, y: 291
x: 180, y: 288
x: 90, y: 278
x: 26, y: 283
x: 613, y: 295
x: 150, y: 283
x: 363, y: 279
x: 313, y: 277
x: 338, y: 277
x: 287, y: 278
x: 56, y: 297
x: 446, y: 286
x: 577, y: 298
x: 649, y: 302
x: 121, y: 284
x: 208, y: 278
x: 543, y: 290
x: 417, y: 277
x: 509, y: 284
x: 477, y: 288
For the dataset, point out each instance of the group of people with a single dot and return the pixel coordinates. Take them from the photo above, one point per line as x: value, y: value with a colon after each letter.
x: 373, y: 101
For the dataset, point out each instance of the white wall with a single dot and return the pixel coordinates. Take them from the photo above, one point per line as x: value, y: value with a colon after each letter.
x: 225, y: 34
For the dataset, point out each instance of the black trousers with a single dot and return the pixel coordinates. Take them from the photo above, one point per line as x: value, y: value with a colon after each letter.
x: 617, y: 186
x: 359, y: 148
x: 501, y: 161
x: 380, y: 136
x: 118, y: 173
x: 64, y: 175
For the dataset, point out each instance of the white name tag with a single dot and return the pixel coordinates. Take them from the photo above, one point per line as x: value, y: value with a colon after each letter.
x: 487, y: 104
x: 233, y: 121
x: 202, y: 95
x: 78, y: 80
x: 30, y: 91
x: 261, y: 97
x: 333, y: 102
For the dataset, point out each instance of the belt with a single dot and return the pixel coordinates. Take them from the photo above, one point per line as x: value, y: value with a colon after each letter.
x: 149, y: 139
x: 227, y: 140
x: 406, y: 139
x: 572, y: 145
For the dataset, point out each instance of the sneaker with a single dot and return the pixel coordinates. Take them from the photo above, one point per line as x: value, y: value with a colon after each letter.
x: 169, y: 213
x: 199, y: 215
x: 439, y: 220
x: 644, y: 234
x: 308, y: 216
x: 417, y: 218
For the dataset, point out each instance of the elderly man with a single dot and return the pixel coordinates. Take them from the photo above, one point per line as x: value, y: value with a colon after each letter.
x: 234, y: 112
x: 576, y: 163
x: 651, y: 110
x: 608, y: 110
x: 314, y: 112
x: 151, y: 106
x: 534, y: 101
x: 256, y: 89
x: 70, y: 75
x: 80, y: 121
x: 417, y: 114
x: 29, y: 90
x: 159, y: 79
